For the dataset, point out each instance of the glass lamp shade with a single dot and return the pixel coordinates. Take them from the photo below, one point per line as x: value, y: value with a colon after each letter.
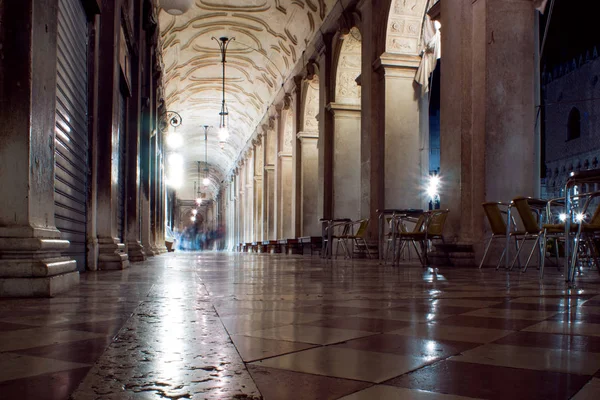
x: 174, y: 140
x: 223, y: 134
x: 176, y: 7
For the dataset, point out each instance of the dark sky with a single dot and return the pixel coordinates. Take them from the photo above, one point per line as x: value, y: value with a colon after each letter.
x: 574, y: 28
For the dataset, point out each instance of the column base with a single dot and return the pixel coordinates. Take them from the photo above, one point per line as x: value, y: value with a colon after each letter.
x: 135, y: 251
x: 33, y: 267
x: 148, y: 250
x: 112, y: 255
x: 38, y: 287
x: 455, y: 254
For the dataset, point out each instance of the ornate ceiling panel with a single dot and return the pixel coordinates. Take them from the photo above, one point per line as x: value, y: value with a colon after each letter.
x: 270, y: 36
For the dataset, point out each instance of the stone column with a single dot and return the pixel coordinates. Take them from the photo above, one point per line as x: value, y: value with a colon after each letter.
x: 325, y: 118
x: 135, y: 249
x: 146, y: 162
x: 258, y: 190
x: 346, y: 160
x: 487, y: 110
x: 242, y: 203
x: 30, y: 247
x: 285, y: 134
x: 249, y: 228
x: 403, y: 179
x: 111, y: 252
x: 309, y: 185
x: 162, y: 189
x: 372, y: 134
x: 269, y: 181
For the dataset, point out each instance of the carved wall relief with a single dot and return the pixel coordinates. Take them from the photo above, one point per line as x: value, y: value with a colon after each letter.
x: 311, y: 107
x: 349, y: 68
x: 404, y: 26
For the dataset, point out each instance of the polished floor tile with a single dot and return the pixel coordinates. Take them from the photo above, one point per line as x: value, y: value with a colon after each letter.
x: 488, y: 323
x: 309, y: 334
x: 47, y: 386
x: 403, y: 315
x: 545, y: 340
x: 253, y: 348
x: 410, y: 346
x: 360, y: 324
x: 265, y: 319
x: 492, y: 382
x: 246, y: 326
x: 346, y: 363
x: 396, y: 393
x: 42, y: 336
x: 569, y: 361
x: 435, y: 331
x: 567, y: 328
x: 17, y: 366
x: 507, y: 313
x: 591, y: 391
x: 280, y: 384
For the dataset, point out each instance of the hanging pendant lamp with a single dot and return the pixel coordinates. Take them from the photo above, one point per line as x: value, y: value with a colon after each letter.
x: 176, y: 7
x: 224, y: 114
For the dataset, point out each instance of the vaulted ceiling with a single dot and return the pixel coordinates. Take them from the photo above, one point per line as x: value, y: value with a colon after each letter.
x: 270, y: 36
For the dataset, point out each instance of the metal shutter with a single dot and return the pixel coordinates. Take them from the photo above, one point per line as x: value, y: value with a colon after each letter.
x: 71, y: 139
x: 122, y: 167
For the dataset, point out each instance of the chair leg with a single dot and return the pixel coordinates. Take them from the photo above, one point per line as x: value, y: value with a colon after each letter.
x: 519, y: 248
x: 543, y: 255
x: 487, y: 247
x: 535, y: 244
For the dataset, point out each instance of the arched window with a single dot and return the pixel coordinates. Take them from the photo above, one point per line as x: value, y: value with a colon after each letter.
x: 574, y: 124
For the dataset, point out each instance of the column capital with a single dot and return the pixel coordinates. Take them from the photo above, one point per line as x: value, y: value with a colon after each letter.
x: 397, y: 64
x: 307, y: 135
x: 343, y: 108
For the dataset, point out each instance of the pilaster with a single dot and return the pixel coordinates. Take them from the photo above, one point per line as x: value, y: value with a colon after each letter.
x: 31, y: 264
x: 111, y: 250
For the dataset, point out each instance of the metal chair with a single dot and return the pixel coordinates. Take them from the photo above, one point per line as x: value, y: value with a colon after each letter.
x: 358, y: 238
x: 432, y: 228
x: 529, y: 212
x: 500, y: 226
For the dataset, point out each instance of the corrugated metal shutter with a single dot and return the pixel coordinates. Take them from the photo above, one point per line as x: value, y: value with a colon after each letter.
x: 122, y: 167
x: 71, y: 154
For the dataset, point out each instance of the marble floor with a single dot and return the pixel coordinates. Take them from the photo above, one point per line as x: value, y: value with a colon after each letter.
x: 252, y: 326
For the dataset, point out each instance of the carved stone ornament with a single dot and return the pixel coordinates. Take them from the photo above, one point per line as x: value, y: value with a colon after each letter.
x: 287, y: 101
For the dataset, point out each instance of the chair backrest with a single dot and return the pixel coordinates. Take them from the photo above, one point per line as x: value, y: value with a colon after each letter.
x: 362, y: 228
x: 595, y: 220
x: 420, y: 224
x: 495, y: 218
x: 526, y: 213
x: 437, y: 220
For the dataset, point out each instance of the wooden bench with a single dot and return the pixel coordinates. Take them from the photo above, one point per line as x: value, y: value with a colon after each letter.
x: 290, y: 246
x: 312, y: 243
x: 272, y: 246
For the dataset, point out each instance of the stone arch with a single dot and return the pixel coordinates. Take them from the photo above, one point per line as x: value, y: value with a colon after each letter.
x: 404, y: 26
x: 348, y: 68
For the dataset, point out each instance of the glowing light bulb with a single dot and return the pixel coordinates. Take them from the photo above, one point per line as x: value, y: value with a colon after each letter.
x: 579, y: 217
x: 194, y: 211
x: 223, y: 134
x: 562, y: 217
x: 176, y: 160
x: 193, y: 219
x: 198, y: 201
x: 205, y: 181
x: 174, y: 140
